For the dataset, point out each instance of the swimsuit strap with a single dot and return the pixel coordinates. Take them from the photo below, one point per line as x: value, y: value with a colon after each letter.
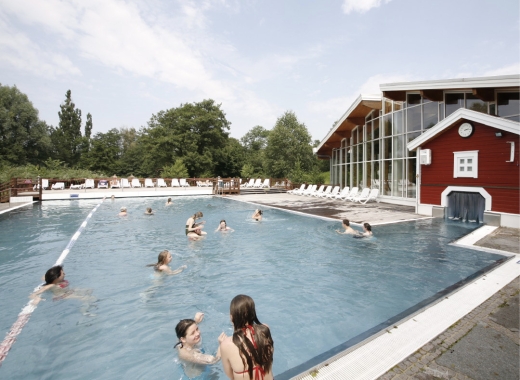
x: 259, y: 372
x: 63, y: 284
x: 252, y: 331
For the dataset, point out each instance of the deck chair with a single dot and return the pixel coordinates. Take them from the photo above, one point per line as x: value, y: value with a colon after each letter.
x: 364, y: 193
x: 78, y: 186
x: 353, y: 193
x: 58, y: 186
x: 175, y: 182
x: 124, y: 182
x: 311, y: 189
x: 161, y: 183
x: 115, y: 184
x: 250, y: 183
x: 297, y: 191
x: 89, y: 184
x: 266, y: 183
x: 325, y: 193
x: 135, y: 182
x: 372, y: 196
x: 102, y: 184
x: 315, y: 193
x: 148, y: 183
x: 45, y: 185
x: 258, y: 183
x: 334, y: 192
x: 184, y: 183
x: 343, y: 193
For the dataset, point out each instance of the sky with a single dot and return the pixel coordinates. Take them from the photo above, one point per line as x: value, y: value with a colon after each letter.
x: 127, y: 60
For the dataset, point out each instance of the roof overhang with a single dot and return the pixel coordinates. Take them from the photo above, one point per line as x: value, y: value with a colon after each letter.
x: 482, y: 87
x: 354, y: 116
x: 465, y: 114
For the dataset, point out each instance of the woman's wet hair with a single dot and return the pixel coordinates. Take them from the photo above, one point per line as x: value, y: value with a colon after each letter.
x: 243, y: 313
x: 367, y: 226
x: 198, y: 214
x: 346, y: 222
x: 53, y: 274
x: 161, y: 259
x: 223, y: 220
x: 169, y: 199
x: 148, y: 209
x: 182, y: 328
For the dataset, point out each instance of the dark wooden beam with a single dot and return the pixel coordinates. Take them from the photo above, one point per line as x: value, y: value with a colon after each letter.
x: 433, y: 95
x: 484, y: 94
x: 395, y: 95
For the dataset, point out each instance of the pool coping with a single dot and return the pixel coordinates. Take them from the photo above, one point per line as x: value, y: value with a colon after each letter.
x: 377, y: 350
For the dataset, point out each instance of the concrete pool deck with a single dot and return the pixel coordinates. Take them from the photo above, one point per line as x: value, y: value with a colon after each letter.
x: 471, y: 334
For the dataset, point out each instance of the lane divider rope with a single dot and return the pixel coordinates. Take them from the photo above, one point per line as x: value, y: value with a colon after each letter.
x: 26, y: 312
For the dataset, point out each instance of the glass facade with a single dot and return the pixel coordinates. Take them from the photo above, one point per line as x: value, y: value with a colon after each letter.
x: 375, y: 154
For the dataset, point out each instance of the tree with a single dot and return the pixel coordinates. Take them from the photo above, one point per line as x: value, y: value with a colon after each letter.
x: 88, y: 132
x: 177, y: 170
x: 289, y: 142
x: 66, y: 139
x: 105, y: 152
x: 23, y: 137
x: 230, y: 159
x: 255, y: 142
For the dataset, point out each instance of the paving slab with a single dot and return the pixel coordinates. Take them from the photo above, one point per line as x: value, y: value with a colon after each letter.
x: 505, y: 239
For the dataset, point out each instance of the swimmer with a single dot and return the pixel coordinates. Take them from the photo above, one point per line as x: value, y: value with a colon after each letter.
x: 248, y: 354
x: 188, y: 333
x: 113, y: 197
x: 223, y: 227
x: 55, y: 282
x: 148, y: 211
x: 257, y: 215
x: 169, y: 202
x: 191, y: 226
x: 367, y: 231
x: 348, y: 230
x: 164, y: 258
x: 196, y: 234
x: 123, y: 211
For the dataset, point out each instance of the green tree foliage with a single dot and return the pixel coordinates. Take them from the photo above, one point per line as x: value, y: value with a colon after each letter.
x: 66, y: 139
x: 255, y: 142
x: 105, y: 153
x: 23, y: 137
x: 196, y: 132
x: 230, y: 159
x: 289, y: 142
x: 177, y: 170
x: 88, y: 132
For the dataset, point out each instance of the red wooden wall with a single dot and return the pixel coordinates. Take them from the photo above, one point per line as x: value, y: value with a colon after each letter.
x: 499, y: 178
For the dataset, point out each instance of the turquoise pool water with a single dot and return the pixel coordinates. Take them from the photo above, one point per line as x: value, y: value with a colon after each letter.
x: 314, y: 288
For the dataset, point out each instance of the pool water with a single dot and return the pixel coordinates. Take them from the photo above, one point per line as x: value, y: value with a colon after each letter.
x: 315, y: 289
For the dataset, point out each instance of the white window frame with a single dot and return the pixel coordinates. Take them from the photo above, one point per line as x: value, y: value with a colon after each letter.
x: 469, y: 154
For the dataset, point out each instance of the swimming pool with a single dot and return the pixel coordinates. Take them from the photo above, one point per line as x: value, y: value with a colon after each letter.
x: 314, y: 288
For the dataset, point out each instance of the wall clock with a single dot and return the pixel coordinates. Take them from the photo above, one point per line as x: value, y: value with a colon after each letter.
x: 466, y: 130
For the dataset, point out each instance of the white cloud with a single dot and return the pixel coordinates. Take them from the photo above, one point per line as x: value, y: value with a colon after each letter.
x: 361, y: 6
x: 506, y: 70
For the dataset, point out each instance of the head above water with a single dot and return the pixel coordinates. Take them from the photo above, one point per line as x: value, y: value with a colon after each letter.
x: 198, y: 214
x: 242, y: 311
x: 346, y: 222
x: 53, y: 274
x: 223, y: 221
x: 367, y: 226
x: 123, y: 209
x: 163, y: 257
x: 181, y: 330
x: 149, y: 210
x: 169, y: 200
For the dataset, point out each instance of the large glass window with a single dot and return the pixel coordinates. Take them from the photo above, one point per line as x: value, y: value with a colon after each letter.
x: 430, y: 114
x: 375, y: 128
x: 386, y: 181
x: 398, y: 183
x: 453, y: 102
x: 508, y: 104
x: 387, y: 146
x: 398, y: 146
x: 387, y: 120
x: 412, y: 180
x: 475, y: 104
x: 398, y: 126
x: 413, y: 112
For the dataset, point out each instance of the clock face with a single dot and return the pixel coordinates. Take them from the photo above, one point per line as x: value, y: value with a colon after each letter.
x: 465, y: 130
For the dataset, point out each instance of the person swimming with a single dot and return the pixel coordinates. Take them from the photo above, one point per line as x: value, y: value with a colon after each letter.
x: 188, y: 346
x: 223, y: 227
x: 194, y: 230
x: 347, y: 229
x: 122, y: 211
x: 148, y: 211
x: 169, y: 202
x: 249, y: 352
x: 164, y: 258
x: 367, y: 231
x: 257, y: 215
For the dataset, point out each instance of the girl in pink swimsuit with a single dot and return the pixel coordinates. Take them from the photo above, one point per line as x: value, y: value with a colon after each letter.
x: 248, y: 354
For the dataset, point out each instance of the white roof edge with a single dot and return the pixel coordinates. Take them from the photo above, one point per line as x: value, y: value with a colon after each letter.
x: 463, y: 113
x: 360, y: 98
x: 459, y: 83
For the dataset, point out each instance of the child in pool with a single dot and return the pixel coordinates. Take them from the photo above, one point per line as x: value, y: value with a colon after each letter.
x: 189, y: 336
x: 148, y: 211
x: 347, y: 229
x: 164, y: 258
x: 367, y: 231
x: 123, y: 211
x: 169, y: 202
x: 55, y: 282
x: 257, y: 215
x: 223, y: 227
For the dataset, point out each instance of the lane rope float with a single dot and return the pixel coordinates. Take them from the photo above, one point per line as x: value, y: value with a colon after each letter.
x: 26, y: 312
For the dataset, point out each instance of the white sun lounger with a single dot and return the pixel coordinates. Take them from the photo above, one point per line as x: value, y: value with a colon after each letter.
x: 334, y: 192
x: 250, y: 183
x: 102, y: 184
x: 58, y: 186
x: 45, y: 185
x: 315, y: 193
x: 161, y: 183
x: 311, y: 189
x: 89, y: 184
x: 258, y: 183
x: 353, y: 193
x: 115, y: 184
x: 343, y: 193
x: 74, y: 187
x: 297, y: 191
x: 266, y: 183
x: 325, y: 193
x: 175, y: 182
x: 148, y: 183
x: 124, y: 182
x: 372, y: 196
x: 364, y: 193
x: 184, y: 183
x: 136, y: 183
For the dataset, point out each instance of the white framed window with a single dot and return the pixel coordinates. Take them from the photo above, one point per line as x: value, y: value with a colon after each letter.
x: 465, y: 164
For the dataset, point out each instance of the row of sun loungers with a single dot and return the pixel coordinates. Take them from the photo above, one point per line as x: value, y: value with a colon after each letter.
x: 115, y: 184
x: 258, y: 184
x: 330, y: 192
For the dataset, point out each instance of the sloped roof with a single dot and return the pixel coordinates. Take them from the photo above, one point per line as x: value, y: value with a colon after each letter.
x: 469, y: 115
